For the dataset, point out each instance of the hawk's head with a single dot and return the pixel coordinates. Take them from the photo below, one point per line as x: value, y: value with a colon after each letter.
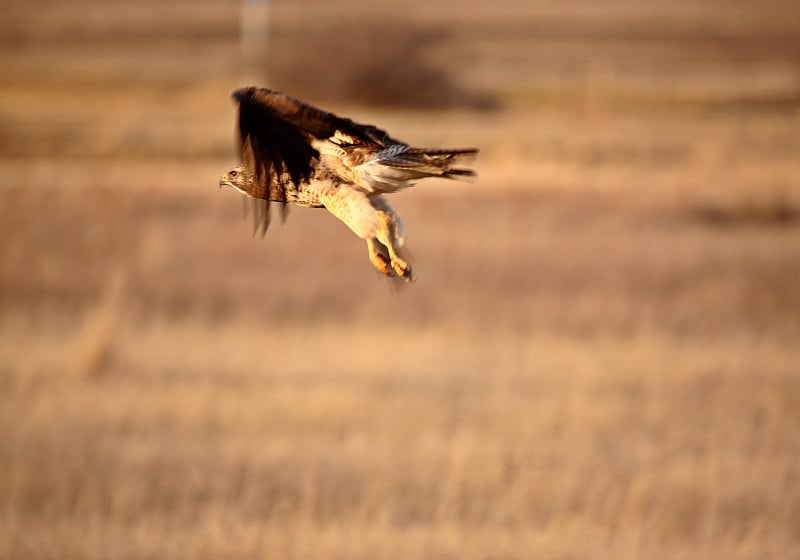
x: 238, y: 178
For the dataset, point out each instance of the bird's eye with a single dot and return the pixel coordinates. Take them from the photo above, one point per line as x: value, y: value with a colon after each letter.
x: 233, y: 173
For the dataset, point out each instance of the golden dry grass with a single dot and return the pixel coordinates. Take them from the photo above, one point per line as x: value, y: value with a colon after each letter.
x: 599, y: 359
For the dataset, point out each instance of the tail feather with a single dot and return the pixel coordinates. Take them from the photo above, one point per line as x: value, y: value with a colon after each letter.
x: 422, y: 162
x: 457, y: 173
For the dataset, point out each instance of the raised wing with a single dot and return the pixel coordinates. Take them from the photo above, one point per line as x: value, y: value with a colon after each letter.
x: 276, y: 133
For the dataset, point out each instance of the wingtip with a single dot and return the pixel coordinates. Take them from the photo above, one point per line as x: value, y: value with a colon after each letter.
x: 247, y: 93
x: 243, y: 93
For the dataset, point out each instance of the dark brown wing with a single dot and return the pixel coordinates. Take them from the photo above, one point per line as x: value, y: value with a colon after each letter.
x: 276, y: 131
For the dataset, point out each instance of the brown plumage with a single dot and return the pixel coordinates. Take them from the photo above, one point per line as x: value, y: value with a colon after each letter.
x: 294, y: 153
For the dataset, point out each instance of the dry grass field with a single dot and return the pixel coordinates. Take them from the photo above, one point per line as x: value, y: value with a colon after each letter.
x: 600, y: 358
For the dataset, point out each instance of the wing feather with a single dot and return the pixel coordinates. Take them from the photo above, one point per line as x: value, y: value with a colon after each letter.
x: 276, y: 132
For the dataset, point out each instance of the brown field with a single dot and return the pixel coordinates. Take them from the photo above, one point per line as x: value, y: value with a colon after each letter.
x: 600, y: 358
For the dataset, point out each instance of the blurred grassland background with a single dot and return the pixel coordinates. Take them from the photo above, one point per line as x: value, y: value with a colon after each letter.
x: 600, y: 357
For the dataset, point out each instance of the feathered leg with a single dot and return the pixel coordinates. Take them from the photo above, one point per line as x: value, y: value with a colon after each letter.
x: 373, y: 226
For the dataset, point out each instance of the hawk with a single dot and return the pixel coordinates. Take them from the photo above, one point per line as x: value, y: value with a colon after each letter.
x: 294, y: 153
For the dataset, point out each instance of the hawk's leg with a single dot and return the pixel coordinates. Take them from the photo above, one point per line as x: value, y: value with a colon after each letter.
x: 377, y: 258
x: 388, y: 236
x: 374, y: 221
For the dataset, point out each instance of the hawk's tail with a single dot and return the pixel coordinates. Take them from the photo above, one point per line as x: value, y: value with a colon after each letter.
x: 421, y: 162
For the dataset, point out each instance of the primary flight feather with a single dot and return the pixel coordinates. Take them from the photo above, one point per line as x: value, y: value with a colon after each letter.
x: 294, y: 153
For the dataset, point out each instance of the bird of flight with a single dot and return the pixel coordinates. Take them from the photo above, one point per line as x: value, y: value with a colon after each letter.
x: 294, y: 153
